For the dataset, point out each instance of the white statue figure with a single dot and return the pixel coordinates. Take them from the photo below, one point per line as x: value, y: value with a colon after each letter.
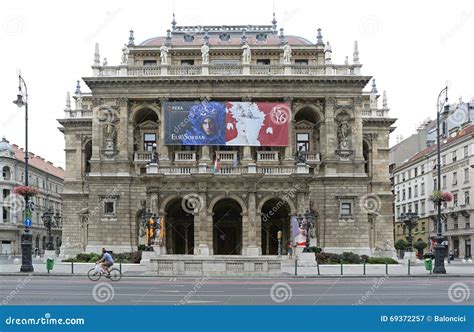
x: 164, y: 54
x: 344, y: 130
x: 246, y: 53
x: 205, y: 53
x: 105, y: 63
x: 125, y: 52
x: 287, y: 53
x: 328, y: 52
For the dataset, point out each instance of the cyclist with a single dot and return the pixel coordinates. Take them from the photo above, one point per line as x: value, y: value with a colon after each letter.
x: 106, y: 261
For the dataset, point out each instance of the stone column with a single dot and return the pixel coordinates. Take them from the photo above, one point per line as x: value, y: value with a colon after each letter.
x: 162, y: 148
x: 123, y: 137
x: 201, y: 228
x: 357, y: 133
x: 331, y: 140
x: 96, y: 135
x: 254, y: 243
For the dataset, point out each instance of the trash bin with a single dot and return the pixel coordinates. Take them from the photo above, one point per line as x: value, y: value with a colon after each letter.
x: 428, y: 264
x: 49, y: 264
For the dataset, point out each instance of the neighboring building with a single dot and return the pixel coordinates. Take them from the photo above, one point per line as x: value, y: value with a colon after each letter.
x: 43, y: 175
x: 416, y: 179
x: 301, y: 101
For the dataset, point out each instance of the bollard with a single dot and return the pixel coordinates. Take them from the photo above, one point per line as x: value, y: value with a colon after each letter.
x: 342, y: 272
x: 72, y: 267
x: 296, y: 267
x: 386, y: 268
x: 408, y: 267
x: 120, y: 267
x: 317, y: 265
x: 364, y: 268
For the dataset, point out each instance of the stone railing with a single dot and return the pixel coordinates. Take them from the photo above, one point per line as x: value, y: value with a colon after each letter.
x: 185, y: 156
x: 273, y: 170
x: 267, y: 70
x: 375, y: 113
x: 228, y: 69
x: 142, y: 156
x: 312, y: 156
x: 227, y: 156
x: 226, y: 169
x: 80, y: 114
x: 267, y: 156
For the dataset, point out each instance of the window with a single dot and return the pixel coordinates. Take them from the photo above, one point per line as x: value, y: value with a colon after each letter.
x: 398, y: 211
x: 466, y: 197
x: 423, y: 169
x: 187, y: 62
x: 6, y: 173
x: 263, y: 62
x: 455, y: 178
x: 409, y: 193
x: 467, y: 222
x: 466, y: 175
x: 455, y: 223
x: 422, y: 189
x: 302, y: 142
x: 403, y: 194
x: 435, y: 184
x: 6, y: 193
x: 5, y: 214
x: 398, y: 195
x: 455, y: 199
x: 416, y: 207
x: 423, y: 227
x: 422, y: 210
x: 301, y: 61
x: 346, y: 209
x: 455, y: 156
x: 149, y: 62
x: 416, y: 171
x: 109, y: 208
x: 148, y: 141
x: 443, y: 160
x: 466, y: 151
x: 444, y: 181
x: 415, y: 191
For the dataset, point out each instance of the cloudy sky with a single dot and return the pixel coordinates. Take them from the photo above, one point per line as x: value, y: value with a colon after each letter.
x: 411, y: 47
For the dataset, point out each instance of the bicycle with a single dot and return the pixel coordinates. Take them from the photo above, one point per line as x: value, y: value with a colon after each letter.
x: 114, y: 274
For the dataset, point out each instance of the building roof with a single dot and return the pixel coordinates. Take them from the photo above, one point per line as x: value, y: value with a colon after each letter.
x: 234, y: 40
x: 38, y: 162
x: 446, y: 142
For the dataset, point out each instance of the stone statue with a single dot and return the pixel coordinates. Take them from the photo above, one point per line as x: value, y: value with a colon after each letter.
x: 287, y: 53
x: 344, y: 130
x: 164, y: 54
x: 125, y: 53
x: 110, y: 132
x: 105, y: 63
x: 205, y: 54
x: 246, y: 53
x: 328, y: 52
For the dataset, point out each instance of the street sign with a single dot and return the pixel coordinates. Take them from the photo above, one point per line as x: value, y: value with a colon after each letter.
x: 27, y: 223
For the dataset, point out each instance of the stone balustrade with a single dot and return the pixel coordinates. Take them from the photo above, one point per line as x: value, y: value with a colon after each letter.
x: 267, y: 156
x: 227, y: 69
x: 185, y: 156
x: 227, y: 156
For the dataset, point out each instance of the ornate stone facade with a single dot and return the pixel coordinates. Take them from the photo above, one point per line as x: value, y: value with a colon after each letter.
x: 115, y: 173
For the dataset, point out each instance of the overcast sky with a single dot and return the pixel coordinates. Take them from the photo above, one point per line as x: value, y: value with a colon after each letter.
x: 410, y: 47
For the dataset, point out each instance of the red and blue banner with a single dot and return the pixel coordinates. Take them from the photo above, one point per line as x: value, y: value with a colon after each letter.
x: 231, y: 123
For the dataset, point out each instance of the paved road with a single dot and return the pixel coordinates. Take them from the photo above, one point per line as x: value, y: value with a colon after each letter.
x: 237, y: 291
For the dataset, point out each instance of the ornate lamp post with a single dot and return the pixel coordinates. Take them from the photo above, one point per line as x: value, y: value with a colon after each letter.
x: 50, y: 220
x: 279, y: 236
x: 26, y: 237
x: 439, y: 248
x: 409, y: 219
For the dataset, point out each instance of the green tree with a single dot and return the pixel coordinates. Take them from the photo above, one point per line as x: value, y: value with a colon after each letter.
x: 420, y: 246
x: 401, y: 245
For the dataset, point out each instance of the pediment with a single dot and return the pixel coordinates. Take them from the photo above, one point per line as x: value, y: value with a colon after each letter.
x: 148, y: 125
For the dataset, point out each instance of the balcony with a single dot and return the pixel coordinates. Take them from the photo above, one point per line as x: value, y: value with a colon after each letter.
x: 185, y: 156
x: 228, y: 170
x: 142, y: 156
x: 227, y: 157
x: 312, y: 157
x: 267, y: 156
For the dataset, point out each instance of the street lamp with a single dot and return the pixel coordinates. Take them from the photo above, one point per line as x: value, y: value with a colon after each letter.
x: 439, y: 248
x: 26, y: 237
x: 306, y: 222
x: 50, y: 220
x: 279, y: 236
x: 409, y: 219
x: 154, y: 156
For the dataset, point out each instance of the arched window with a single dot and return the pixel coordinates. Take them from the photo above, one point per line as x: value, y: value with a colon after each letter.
x: 87, y: 157
x: 6, y: 173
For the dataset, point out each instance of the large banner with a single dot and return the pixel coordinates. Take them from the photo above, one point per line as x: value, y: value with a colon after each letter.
x: 226, y: 123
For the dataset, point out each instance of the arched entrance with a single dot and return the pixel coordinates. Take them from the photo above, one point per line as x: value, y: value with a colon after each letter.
x: 275, y: 217
x: 179, y: 229
x: 227, y: 227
